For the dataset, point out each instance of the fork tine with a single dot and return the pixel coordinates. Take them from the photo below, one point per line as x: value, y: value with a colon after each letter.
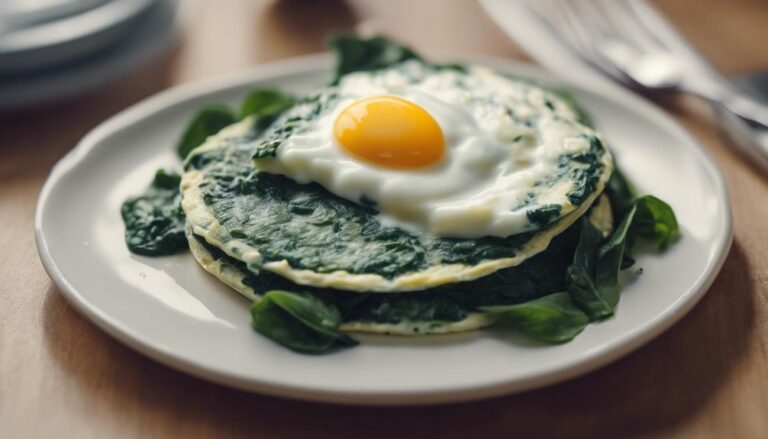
x: 581, y: 25
x: 635, y: 30
x: 561, y: 23
x: 586, y: 21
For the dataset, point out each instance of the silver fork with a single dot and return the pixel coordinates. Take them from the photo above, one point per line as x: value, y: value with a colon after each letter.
x: 615, y: 36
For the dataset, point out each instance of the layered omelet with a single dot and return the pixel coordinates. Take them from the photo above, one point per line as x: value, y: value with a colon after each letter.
x: 406, y: 197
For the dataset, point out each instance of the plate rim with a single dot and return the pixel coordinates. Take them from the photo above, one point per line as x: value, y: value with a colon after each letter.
x: 100, y: 18
x: 61, y: 82
x: 609, y: 352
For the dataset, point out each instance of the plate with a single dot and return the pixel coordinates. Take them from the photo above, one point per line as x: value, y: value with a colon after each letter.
x: 154, y: 33
x: 172, y: 311
x: 63, y: 32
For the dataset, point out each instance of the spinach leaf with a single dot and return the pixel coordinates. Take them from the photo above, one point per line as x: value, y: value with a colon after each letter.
x: 580, y: 275
x: 609, y: 261
x: 593, y: 277
x: 354, y: 54
x: 154, y: 221
x: 621, y: 193
x: 553, y: 318
x: 266, y: 105
x: 357, y: 54
x: 208, y: 121
x: 300, y: 322
x: 655, y: 221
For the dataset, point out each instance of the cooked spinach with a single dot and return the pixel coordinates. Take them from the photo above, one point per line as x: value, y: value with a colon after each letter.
x: 621, y: 192
x: 154, y: 221
x: 266, y: 105
x: 593, y: 278
x: 552, y: 319
x: 208, y: 121
x: 655, y: 221
x: 538, y: 276
x: 524, y: 296
x: 300, y: 322
x: 544, y: 215
x: 355, y: 54
x: 306, y: 109
x: 311, y: 228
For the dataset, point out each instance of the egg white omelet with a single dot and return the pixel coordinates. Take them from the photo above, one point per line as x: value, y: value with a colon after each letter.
x: 462, y: 154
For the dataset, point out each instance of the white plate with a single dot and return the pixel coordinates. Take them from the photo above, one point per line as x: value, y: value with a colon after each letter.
x: 64, y: 35
x: 153, y: 34
x: 170, y: 310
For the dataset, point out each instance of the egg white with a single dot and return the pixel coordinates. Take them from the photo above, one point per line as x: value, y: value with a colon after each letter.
x: 503, y: 138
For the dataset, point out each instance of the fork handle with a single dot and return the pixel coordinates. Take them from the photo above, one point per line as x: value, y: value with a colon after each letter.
x: 737, y: 103
x: 746, y: 108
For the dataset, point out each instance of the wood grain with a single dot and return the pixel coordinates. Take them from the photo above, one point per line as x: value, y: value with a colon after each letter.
x: 60, y: 376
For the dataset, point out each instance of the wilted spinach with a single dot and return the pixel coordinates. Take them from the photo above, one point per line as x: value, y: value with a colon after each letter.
x: 301, y: 322
x: 593, y: 278
x: 206, y: 122
x: 154, y: 221
x: 354, y: 54
x: 553, y: 318
x: 655, y: 221
x: 265, y: 104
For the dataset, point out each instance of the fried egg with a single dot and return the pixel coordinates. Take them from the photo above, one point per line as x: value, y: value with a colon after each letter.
x: 453, y: 153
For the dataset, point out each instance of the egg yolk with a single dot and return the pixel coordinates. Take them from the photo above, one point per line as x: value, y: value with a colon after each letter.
x: 391, y: 132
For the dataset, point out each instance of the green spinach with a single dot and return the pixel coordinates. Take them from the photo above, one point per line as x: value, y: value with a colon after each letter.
x: 354, y: 54
x: 655, y: 221
x: 552, y: 319
x: 621, y: 193
x: 538, y: 276
x: 154, y: 221
x: 301, y: 322
x: 266, y: 105
x: 208, y: 121
x: 593, y: 277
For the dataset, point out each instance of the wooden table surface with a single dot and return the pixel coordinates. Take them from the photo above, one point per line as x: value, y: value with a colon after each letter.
x: 61, y: 376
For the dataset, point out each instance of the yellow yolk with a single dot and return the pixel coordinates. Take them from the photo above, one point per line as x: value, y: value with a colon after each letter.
x: 391, y: 132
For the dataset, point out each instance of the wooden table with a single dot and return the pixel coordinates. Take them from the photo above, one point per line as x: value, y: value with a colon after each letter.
x: 62, y: 377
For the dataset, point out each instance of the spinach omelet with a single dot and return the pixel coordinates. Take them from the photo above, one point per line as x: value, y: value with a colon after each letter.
x: 405, y: 197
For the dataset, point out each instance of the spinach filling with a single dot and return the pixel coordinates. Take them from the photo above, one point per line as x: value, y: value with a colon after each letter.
x: 311, y: 228
x: 536, y: 277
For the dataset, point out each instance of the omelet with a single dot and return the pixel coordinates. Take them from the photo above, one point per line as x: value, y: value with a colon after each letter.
x: 326, y: 219
x: 447, y: 309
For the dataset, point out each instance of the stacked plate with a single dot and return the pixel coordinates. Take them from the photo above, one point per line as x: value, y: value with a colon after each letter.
x: 51, y: 49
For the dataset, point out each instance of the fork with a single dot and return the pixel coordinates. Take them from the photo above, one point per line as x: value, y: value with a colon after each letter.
x: 617, y: 38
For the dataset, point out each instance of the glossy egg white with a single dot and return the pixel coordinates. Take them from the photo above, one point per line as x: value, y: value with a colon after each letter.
x: 503, y: 137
